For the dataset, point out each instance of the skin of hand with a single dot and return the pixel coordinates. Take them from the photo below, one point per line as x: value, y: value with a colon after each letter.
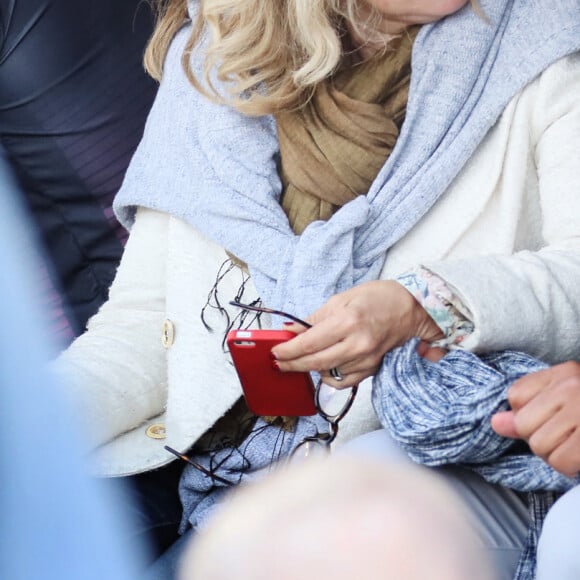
x: 354, y: 330
x: 432, y: 353
x: 546, y: 413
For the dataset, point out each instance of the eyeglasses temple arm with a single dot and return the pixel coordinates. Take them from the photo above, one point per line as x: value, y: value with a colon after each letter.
x: 271, y: 311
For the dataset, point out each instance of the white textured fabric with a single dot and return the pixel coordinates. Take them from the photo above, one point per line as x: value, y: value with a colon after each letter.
x: 506, y: 235
x: 119, y: 370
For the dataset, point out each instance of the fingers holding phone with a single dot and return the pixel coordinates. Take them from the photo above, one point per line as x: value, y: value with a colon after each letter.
x: 354, y: 330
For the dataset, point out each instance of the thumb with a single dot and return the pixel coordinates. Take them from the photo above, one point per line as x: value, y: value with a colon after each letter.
x: 503, y: 424
x: 432, y: 353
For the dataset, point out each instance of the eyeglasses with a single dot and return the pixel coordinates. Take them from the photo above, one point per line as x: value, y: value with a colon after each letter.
x: 309, y: 445
x: 209, y: 472
x: 332, y: 418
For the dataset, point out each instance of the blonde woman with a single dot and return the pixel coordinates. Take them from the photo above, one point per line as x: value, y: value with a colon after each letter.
x: 385, y: 169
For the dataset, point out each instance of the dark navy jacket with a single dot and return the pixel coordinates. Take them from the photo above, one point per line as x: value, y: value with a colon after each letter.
x: 73, y: 102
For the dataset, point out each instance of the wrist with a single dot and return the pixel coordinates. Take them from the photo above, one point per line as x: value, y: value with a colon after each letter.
x: 427, y: 329
x: 423, y: 325
x: 419, y: 323
x: 441, y: 304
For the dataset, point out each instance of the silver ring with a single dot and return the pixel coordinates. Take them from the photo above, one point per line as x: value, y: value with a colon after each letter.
x: 336, y: 374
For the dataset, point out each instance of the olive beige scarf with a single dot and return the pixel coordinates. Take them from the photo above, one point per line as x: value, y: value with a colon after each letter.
x: 333, y: 148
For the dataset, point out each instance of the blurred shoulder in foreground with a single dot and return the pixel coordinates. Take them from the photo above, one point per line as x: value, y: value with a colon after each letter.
x: 56, y: 521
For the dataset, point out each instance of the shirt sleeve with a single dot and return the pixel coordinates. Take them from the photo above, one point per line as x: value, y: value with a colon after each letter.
x: 441, y: 303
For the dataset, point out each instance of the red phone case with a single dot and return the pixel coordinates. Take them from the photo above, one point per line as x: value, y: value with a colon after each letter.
x: 267, y: 390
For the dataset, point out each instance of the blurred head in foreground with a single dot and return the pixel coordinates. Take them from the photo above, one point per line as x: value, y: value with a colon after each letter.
x: 339, y: 519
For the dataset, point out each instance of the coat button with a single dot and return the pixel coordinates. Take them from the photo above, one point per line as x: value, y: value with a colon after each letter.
x: 168, y: 333
x: 156, y: 431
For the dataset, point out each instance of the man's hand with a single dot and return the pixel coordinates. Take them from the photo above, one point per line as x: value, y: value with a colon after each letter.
x: 546, y: 413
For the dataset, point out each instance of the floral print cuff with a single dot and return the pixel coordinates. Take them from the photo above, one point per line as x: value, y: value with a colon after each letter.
x: 441, y: 303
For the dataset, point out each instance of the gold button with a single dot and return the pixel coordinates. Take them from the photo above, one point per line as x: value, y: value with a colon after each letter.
x: 168, y: 333
x: 156, y: 431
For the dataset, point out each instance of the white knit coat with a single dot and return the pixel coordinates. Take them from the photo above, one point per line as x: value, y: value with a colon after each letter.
x: 505, y: 236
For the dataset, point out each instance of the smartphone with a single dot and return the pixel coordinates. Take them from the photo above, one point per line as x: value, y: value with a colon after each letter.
x: 267, y: 390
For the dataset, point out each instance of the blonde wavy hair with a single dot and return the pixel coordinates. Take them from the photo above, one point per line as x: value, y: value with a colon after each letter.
x: 273, y: 52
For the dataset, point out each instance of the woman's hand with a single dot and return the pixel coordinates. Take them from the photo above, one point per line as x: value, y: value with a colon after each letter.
x: 546, y: 413
x: 354, y: 330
